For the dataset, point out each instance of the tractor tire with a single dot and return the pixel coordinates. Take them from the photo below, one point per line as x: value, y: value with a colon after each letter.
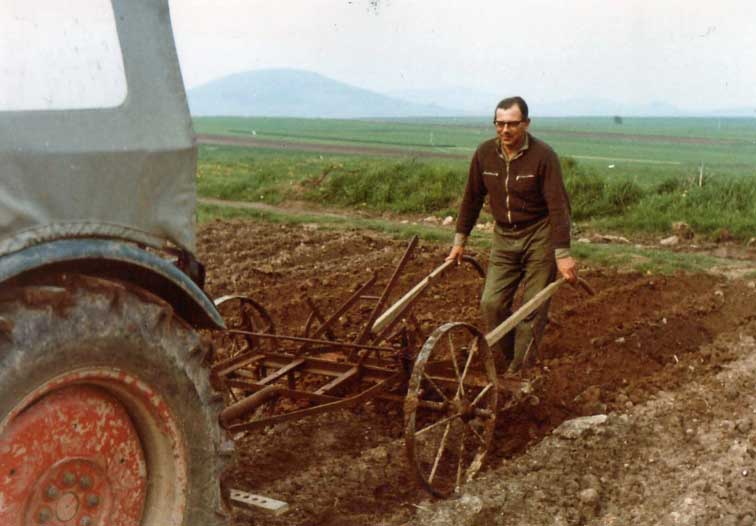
x: 106, y: 412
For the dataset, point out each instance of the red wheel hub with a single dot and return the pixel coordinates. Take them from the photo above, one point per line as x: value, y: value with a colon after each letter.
x: 72, y: 457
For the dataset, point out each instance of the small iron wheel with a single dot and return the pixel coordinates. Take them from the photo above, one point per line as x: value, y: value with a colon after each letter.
x: 244, y: 314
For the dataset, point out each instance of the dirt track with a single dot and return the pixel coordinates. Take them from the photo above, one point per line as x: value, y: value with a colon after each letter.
x: 278, y: 144
x: 670, y: 360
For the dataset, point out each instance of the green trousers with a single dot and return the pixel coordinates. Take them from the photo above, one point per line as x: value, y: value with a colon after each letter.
x: 525, y: 257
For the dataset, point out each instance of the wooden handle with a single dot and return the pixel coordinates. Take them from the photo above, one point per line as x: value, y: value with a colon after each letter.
x: 510, y: 323
x: 391, y: 313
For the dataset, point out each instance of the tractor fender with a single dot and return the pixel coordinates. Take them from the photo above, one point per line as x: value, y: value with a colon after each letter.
x: 119, y: 261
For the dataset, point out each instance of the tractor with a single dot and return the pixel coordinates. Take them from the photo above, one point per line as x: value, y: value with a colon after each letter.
x: 107, y: 416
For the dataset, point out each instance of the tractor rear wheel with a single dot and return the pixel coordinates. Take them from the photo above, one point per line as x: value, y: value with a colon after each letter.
x: 106, y: 412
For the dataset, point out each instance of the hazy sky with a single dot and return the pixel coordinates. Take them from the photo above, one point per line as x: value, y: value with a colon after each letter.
x: 691, y: 53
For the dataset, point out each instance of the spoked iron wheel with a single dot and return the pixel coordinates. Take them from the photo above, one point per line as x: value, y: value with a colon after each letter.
x: 450, y: 409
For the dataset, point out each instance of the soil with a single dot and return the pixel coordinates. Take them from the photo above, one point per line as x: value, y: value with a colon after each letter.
x: 299, y: 146
x: 643, y: 407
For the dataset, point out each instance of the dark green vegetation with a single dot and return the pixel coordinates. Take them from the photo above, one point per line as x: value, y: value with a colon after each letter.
x: 638, y: 176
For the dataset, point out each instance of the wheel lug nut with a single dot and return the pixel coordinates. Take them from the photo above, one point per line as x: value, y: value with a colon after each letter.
x: 86, y: 521
x: 93, y: 500
x: 51, y: 492
x: 85, y: 482
x: 69, y: 478
x: 44, y: 515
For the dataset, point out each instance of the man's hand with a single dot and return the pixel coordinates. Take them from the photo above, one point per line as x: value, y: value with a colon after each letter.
x: 568, y: 269
x: 456, y: 253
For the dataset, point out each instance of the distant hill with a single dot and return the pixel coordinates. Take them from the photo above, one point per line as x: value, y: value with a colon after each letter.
x: 469, y: 101
x: 297, y: 93
x: 478, y: 102
x: 595, y: 107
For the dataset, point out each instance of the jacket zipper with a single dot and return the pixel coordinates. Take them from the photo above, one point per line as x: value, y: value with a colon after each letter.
x: 506, y: 189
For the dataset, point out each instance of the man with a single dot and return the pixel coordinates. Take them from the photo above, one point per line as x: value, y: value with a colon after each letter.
x: 531, y: 239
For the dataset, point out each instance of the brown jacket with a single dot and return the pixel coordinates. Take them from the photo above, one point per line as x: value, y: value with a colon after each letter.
x: 522, y: 190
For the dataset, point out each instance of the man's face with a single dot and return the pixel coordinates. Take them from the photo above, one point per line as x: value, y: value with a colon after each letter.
x: 510, y: 126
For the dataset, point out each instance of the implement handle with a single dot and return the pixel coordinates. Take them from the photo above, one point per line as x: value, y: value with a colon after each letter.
x: 391, y: 313
x: 536, y: 301
x: 397, y: 308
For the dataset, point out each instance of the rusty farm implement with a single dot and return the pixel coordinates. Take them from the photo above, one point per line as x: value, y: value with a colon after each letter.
x: 448, y: 385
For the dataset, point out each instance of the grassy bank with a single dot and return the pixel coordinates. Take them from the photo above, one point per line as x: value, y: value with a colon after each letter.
x: 621, y: 257
x: 434, y: 187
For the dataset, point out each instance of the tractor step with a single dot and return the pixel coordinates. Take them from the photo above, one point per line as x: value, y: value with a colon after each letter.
x: 242, y: 499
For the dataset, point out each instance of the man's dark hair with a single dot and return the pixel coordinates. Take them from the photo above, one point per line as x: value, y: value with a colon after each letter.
x: 507, y: 103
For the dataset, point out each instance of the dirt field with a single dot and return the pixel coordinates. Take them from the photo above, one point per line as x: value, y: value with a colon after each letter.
x: 298, y: 146
x: 666, y: 365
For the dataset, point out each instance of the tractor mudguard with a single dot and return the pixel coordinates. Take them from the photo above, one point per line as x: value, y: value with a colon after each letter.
x: 120, y: 261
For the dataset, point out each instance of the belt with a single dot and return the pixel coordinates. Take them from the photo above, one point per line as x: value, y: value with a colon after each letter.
x: 521, y: 225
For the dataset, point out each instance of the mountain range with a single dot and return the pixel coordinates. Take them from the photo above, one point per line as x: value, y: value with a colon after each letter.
x: 299, y: 93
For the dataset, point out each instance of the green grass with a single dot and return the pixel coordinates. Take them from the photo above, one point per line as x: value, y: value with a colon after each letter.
x: 629, y: 197
x: 380, y: 185
x: 728, y: 204
x: 414, y: 135
x: 404, y: 186
x: 635, y: 142
x: 645, y: 260
x: 733, y: 128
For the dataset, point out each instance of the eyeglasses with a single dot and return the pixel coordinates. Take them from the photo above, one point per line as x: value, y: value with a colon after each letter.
x: 507, y: 124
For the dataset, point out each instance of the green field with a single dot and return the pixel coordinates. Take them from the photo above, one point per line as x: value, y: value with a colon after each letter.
x: 637, y: 176
x: 731, y: 140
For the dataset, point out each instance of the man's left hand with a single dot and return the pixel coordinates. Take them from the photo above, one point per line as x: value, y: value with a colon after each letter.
x: 568, y: 269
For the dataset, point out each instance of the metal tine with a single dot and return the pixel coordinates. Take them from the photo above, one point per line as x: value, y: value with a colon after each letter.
x: 341, y: 310
x: 315, y: 314
x: 366, y: 331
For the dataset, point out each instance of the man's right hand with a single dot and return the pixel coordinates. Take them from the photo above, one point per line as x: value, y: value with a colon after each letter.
x: 568, y: 269
x: 456, y: 254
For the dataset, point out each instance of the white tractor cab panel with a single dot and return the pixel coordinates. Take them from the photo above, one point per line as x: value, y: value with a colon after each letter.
x: 63, y: 56
x: 95, y: 134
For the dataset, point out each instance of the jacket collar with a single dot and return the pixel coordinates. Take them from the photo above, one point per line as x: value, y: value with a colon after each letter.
x: 501, y: 153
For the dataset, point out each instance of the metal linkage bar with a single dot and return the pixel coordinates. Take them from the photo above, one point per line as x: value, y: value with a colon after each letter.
x: 300, y: 339
x: 229, y: 365
x: 333, y: 384
x: 249, y: 404
x: 286, y: 369
x: 292, y: 394
x: 371, y: 371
